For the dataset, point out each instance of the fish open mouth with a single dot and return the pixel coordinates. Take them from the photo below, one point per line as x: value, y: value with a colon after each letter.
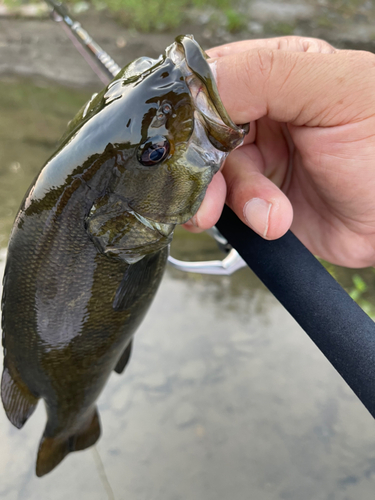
x: 222, y: 133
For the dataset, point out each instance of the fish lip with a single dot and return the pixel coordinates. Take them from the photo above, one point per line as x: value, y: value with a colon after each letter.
x: 222, y: 132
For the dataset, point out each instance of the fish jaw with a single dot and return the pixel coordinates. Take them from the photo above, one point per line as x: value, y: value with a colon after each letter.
x: 189, y: 57
x: 214, y: 135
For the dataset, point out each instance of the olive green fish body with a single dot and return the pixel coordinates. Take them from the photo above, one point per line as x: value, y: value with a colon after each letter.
x: 89, y: 245
x: 63, y: 300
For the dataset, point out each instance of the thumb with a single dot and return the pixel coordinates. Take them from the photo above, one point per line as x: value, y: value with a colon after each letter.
x: 301, y: 88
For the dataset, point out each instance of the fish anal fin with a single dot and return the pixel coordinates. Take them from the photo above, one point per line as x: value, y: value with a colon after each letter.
x: 125, y: 356
x: 17, y: 400
x: 53, y: 450
x: 88, y: 436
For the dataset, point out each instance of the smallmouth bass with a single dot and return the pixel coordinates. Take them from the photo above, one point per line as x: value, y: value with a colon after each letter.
x: 89, y: 244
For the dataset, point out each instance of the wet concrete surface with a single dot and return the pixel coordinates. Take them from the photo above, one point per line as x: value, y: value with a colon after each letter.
x: 222, y: 399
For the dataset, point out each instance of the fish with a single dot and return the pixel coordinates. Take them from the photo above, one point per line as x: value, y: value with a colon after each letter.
x: 89, y: 244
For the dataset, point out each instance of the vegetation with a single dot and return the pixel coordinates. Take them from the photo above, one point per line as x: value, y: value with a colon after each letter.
x: 235, y: 20
x: 157, y: 15
x: 231, y: 15
x: 146, y: 15
x: 151, y: 15
x: 359, y: 283
x: 346, y: 7
x: 280, y: 28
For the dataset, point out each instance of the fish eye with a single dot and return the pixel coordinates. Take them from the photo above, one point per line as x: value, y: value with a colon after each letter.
x: 153, y: 151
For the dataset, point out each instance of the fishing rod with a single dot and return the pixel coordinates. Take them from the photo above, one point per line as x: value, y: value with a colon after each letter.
x: 343, y: 332
x: 101, y: 63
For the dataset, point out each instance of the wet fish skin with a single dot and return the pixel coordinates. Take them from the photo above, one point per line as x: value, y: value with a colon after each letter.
x: 89, y: 245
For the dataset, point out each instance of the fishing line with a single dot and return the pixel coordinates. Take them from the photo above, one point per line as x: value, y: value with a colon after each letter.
x: 102, y: 473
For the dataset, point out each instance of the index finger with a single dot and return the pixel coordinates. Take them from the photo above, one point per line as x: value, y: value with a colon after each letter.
x: 288, y: 43
x: 301, y: 88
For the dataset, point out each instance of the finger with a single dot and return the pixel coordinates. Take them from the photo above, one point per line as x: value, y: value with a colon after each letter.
x: 288, y: 43
x: 276, y: 147
x: 256, y: 200
x: 212, y: 205
x: 312, y: 89
x: 251, y: 135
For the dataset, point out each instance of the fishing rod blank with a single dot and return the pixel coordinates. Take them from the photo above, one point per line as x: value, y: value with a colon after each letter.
x: 101, y: 63
x: 338, y: 326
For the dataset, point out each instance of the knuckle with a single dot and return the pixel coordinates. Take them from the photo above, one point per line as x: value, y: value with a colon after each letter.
x: 266, y: 62
x: 316, y: 45
x: 295, y: 43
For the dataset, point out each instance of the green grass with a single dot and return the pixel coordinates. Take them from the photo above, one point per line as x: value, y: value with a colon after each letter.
x: 280, y: 28
x: 156, y: 15
x: 146, y: 15
x: 13, y: 3
x: 235, y: 20
x: 324, y: 22
x: 162, y: 15
x: 159, y: 15
x: 359, y: 283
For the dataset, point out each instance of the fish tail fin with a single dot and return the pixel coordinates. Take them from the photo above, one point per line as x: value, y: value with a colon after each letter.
x: 17, y: 399
x: 53, y: 450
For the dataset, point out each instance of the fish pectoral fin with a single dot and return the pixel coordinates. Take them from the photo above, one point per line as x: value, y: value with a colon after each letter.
x: 125, y: 356
x: 120, y: 233
x: 53, y: 450
x: 136, y: 279
x: 18, y: 401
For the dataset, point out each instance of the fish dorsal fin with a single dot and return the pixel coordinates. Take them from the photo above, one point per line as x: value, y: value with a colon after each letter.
x: 125, y: 356
x: 53, y: 450
x: 18, y: 401
x: 136, y: 278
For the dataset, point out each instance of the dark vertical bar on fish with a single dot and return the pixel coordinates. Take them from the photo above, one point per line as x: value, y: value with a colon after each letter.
x: 339, y: 327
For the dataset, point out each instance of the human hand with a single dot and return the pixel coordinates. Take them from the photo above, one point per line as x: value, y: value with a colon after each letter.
x: 309, y: 160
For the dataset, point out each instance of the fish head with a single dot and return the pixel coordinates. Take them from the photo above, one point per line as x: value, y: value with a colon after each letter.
x: 176, y: 132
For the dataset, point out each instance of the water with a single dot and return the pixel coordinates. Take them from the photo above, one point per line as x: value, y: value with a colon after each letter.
x: 225, y: 396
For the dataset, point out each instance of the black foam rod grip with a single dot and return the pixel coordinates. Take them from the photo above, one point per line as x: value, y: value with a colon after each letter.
x: 339, y: 327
